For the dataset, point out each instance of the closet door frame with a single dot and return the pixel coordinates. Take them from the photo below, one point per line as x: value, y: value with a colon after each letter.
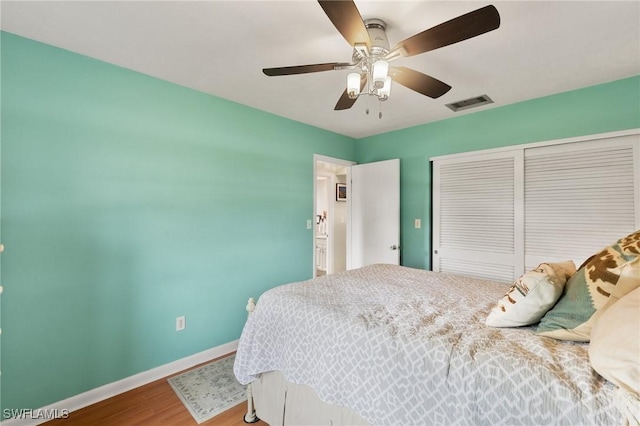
x: 520, y: 153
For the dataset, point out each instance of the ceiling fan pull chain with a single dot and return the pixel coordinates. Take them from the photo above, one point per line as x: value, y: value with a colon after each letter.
x: 367, y: 110
x: 380, y: 113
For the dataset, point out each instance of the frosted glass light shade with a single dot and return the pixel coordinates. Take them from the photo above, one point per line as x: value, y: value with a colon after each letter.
x: 353, y: 85
x: 385, y: 90
x: 380, y: 73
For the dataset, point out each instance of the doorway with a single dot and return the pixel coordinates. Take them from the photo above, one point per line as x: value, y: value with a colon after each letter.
x: 330, y: 214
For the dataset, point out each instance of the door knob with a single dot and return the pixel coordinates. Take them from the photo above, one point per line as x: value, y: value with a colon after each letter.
x: 395, y: 247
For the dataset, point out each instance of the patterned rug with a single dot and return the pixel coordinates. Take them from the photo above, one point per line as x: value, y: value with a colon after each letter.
x: 209, y: 390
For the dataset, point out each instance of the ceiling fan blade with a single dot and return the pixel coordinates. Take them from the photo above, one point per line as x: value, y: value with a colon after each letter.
x: 419, y: 82
x: 300, y: 69
x: 463, y: 27
x: 345, y: 102
x: 346, y: 18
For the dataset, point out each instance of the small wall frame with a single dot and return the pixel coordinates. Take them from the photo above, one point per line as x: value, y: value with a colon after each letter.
x: 341, y: 192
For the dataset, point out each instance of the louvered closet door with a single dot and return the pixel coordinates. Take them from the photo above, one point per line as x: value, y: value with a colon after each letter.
x: 475, y: 201
x: 579, y: 198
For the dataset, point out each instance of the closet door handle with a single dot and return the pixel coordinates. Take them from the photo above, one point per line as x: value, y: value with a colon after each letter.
x: 395, y: 247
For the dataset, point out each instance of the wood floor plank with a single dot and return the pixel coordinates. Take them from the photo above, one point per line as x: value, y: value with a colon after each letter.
x: 152, y: 404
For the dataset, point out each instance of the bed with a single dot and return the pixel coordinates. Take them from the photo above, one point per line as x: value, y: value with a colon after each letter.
x: 392, y: 345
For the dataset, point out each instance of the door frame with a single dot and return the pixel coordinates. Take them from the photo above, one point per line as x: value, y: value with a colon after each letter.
x: 338, y: 162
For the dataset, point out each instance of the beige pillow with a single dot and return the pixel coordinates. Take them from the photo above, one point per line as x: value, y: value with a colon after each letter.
x: 614, y: 350
x: 593, y: 288
x: 531, y: 296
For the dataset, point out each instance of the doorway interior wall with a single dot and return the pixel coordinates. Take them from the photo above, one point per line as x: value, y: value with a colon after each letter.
x: 330, y: 215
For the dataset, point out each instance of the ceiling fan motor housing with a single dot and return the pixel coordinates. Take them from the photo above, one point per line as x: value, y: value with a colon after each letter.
x: 378, y: 36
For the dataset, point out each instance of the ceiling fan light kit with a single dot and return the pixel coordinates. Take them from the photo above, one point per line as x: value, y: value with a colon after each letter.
x: 372, y: 63
x: 371, y: 74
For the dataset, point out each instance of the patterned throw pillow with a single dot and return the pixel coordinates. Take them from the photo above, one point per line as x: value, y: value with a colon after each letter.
x: 531, y: 296
x: 593, y: 288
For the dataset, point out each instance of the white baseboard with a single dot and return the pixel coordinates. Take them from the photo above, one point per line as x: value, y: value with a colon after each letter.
x: 128, y: 383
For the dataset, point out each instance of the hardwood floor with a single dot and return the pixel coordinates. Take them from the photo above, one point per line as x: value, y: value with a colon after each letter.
x: 152, y: 404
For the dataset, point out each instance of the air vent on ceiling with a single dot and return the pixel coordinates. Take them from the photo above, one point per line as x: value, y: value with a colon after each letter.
x: 470, y: 103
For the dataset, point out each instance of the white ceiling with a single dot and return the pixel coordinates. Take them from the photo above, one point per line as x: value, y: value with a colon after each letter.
x: 220, y: 47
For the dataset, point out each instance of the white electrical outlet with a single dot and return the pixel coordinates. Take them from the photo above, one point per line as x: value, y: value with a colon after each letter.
x: 181, y: 323
x: 417, y: 223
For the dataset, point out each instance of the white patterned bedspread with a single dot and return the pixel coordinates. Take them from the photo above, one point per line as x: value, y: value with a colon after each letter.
x: 403, y: 346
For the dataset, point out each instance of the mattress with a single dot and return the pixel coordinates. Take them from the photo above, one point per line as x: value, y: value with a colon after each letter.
x: 405, y: 346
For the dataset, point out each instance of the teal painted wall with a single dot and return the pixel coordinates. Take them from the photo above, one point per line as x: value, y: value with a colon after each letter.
x: 596, y: 109
x: 128, y: 201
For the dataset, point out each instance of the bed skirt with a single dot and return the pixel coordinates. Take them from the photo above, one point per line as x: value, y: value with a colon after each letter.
x: 279, y: 402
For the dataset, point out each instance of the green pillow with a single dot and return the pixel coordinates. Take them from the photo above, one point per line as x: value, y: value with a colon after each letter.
x: 592, y: 288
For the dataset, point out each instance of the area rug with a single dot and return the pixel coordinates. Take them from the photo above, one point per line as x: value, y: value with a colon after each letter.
x: 209, y: 390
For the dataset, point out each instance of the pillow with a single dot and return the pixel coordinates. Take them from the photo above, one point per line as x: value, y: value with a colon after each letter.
x: 594, y: 287
x: 614, y: 350
x: 531, y: 296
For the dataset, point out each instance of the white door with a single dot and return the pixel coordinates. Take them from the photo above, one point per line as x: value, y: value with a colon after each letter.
x: 373, y: 231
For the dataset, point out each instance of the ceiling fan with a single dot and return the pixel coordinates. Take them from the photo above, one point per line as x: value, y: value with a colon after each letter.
x: 371, y: 53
